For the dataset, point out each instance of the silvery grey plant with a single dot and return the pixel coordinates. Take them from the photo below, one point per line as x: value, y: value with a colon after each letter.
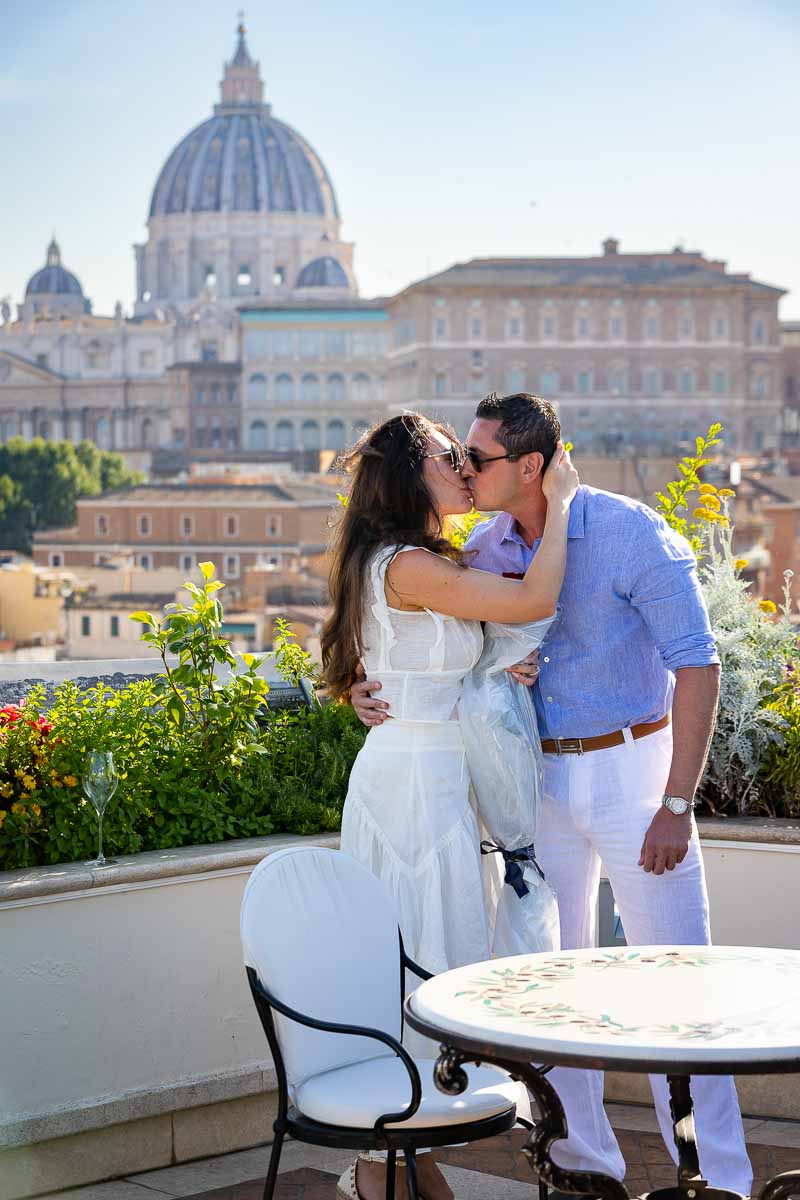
x: 755, y: 649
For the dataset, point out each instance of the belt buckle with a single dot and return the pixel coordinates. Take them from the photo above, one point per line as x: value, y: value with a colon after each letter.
x: 569, y: 746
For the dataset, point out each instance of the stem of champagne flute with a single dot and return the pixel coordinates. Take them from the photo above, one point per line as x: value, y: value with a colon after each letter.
x: 100, y: 838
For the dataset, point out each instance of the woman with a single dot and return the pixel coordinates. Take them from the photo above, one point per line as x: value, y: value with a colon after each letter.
x: 407, y: 607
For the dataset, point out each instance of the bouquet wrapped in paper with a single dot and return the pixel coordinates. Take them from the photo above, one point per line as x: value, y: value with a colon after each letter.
x: 505, y: 762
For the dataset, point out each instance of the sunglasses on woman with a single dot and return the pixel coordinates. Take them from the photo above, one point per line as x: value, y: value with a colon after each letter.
x: 455, y: 453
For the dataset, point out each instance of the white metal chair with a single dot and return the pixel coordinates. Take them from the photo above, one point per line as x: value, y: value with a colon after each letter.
x: 326, y: 967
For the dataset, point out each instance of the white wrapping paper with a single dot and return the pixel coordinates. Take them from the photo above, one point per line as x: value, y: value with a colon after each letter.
x: 505, y: 762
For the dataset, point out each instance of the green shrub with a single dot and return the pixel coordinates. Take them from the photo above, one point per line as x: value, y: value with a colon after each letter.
x: 198, y: 761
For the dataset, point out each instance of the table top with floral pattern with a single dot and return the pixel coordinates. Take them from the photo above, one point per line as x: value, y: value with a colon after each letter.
x: 692, y: 1003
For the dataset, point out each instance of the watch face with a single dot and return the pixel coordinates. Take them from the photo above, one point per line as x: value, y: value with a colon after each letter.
x: 677, y: 805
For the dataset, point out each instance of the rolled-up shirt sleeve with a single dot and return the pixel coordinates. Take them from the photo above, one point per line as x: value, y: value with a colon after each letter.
x: 660, y: 580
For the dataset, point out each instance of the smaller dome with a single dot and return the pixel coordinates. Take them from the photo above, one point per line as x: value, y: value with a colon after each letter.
x: 53, y: 279
x: 323, y: 272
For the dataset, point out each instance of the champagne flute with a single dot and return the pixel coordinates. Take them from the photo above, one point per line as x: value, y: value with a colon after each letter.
x: 99, y: 783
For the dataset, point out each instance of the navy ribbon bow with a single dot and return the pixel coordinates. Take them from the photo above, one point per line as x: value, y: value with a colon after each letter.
x: 512, y: 859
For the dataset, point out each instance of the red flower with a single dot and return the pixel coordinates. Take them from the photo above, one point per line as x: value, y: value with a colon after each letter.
x: 10, y: 714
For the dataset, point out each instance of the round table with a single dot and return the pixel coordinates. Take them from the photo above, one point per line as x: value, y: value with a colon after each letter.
x: 672, y: 1010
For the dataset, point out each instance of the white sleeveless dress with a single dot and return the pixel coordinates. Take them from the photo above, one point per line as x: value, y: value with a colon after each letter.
x: 407, y: 816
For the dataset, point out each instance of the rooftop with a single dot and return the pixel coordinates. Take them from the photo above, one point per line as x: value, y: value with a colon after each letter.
x: 678, y: 267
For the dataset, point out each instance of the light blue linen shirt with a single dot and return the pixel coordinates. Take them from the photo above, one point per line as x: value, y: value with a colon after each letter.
x: 632, y: 613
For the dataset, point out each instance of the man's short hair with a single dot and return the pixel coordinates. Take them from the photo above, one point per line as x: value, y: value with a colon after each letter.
x: 527, y: 423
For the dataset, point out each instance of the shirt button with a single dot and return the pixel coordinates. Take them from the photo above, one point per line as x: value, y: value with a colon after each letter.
x: 546, y: 658
x: 549, y: 699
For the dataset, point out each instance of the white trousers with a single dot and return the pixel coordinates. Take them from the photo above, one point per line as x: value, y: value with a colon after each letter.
x: 597, y: 807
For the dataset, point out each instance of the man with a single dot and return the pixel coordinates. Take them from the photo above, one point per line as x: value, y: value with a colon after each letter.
x: 626, y: 701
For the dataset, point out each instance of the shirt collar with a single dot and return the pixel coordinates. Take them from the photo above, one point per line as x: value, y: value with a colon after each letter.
x: 576, y: 528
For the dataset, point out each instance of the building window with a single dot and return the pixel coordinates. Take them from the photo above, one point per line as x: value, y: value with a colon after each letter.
x: 719, y: 382
x: 582, y: 327
x: 187, y: 526
x: 335, y: 435
x: 284, y: 389
x: 477, y: 385
x: 199, y: 395
x: 114, y: 626
x: 310, y: 344
x: 515, y: 380
x: 187, y: 563
x: 361, y: 389
x: 243, y: 276
x: 231, y: 525
x: 86, y: 626
x: 257, y: 389
x: 475, y: 327
x: 549, y: 382
x: 274, y: 526
x: 652, y: 327
x: 309, y: 389
x: 144, y: 562
x: 279, y: 277
x: 147, y: 359
x: 440, y: 384
x: 514, y: 328
x: 209, y: 275
x: 230, y: 567
x: 284, y: 436
x: 440, y: 329
x: 759, y: 333
x: 54, y: 559
x: 685, y: 328
x: 651, y: 381
x: 719, y: 328
x: 310, y: 437
x: 618, y: 381
x: 101, y: 525
x: 209, y: 352
x: 257, y: 436
x: 686, y: 381
x: 143, y: 525
x: 336, y: 389
x: 760, y: 384
x: 102, y: 560
x: 585, y: 382
x: 548, y: 327
x: 335, y: 342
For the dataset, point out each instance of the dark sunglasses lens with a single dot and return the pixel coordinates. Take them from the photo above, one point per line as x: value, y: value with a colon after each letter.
x: 474, y: 458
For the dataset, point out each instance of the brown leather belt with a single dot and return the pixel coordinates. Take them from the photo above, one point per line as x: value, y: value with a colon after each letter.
x: 603, y: 741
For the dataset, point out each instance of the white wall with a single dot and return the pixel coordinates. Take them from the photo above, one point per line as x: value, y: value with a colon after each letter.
x: 754, y: 893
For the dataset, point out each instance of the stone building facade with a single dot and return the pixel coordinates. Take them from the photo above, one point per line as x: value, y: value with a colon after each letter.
x: 313, y: 376
x: 635, y: 350
x: 272, y: 527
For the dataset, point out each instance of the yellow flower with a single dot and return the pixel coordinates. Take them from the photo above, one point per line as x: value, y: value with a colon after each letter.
x: 70, y: 781
x: 18, y: 809
x: 740, y: 564
x: 702, y: 514
x: 6, y: 790
x: 707, y: 489
x: 28, y: 782
x: 19, y: 772
x: 768, y: 606
x: 2, y: 817
x: 37, y: 812
x: 712, y: 502
x: 725, y: 493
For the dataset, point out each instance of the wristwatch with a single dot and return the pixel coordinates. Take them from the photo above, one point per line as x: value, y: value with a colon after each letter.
x: 678, y: 805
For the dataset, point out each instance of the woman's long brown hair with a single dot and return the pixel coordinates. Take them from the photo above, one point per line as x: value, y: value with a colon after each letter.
x: 389, y: 503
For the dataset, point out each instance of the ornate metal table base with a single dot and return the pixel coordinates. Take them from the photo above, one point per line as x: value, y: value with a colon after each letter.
x: 551, y: 1127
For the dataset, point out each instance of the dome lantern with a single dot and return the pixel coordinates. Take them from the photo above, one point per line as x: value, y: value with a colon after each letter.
x: 241, y: 85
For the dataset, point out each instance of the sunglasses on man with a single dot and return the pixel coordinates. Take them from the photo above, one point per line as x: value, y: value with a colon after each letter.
x: 458, y: 455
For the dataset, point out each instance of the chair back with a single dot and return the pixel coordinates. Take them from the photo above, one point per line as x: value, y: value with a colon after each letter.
x: 321, y: 932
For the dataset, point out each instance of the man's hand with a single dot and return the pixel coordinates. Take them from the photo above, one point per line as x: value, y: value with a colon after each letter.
x: 370, y: 712
x: 666, y: 841
x: 527, y: 671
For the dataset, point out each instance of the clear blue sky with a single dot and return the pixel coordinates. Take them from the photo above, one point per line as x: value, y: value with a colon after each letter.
x: 451, y: 130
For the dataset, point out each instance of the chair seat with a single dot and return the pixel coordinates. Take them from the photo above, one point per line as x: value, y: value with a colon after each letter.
x: 356, y: 1095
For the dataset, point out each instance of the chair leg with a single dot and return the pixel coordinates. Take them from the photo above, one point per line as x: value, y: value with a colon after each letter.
x: 411, y: 1172
x: 543, y: 1190
x: 391, y: 1168
x: 274, y: 1161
